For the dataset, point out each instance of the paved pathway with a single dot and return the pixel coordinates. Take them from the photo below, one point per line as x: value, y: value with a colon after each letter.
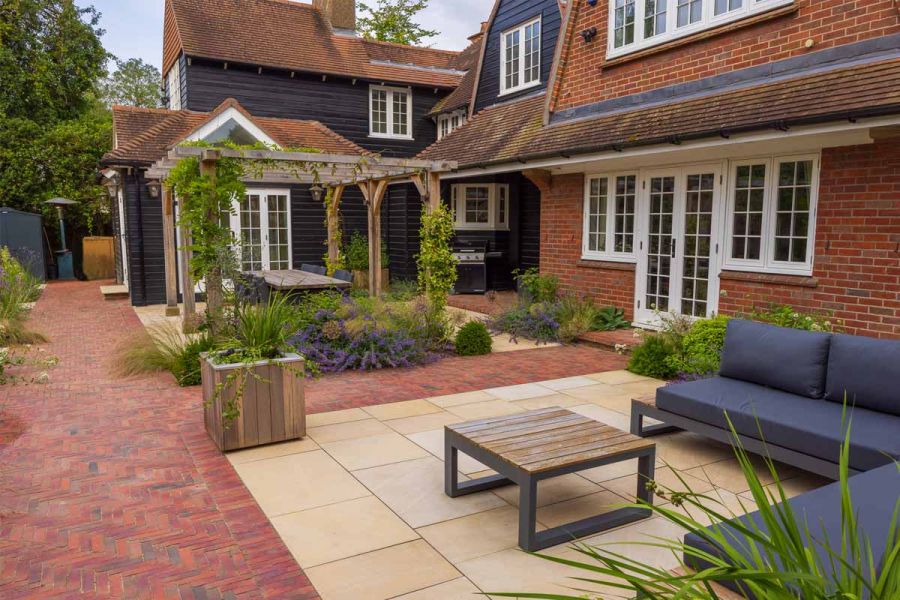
x: 111, y: 489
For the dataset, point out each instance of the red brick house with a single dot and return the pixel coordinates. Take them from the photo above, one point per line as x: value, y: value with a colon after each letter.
x: 711, y: 156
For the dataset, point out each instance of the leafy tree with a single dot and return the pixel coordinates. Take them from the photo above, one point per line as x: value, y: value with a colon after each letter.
x: 51, y: 58
x: 132, y: 83
x: 394, y: 21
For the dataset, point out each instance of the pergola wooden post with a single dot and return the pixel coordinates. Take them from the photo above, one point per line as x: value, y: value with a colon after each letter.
x: 170, y: 251
x: 373, y: 192
x: 333, y: 223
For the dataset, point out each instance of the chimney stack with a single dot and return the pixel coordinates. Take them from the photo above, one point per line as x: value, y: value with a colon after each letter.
x: 340, y: 13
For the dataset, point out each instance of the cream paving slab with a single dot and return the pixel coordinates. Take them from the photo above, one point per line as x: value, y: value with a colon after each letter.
x: 727, y: 474
x: 604, y: 415
x: 568, y: 383
x: 515, y: 571
x: 328, y: 533
x: 433, y: 441
x: 461, y: 398
x: 685, y: 450
x: 458, y: 589
x: 560, y: 400
x: 298, y: 482
x: 720, y: 501
x: 399, y: 410
x: 382, y: 574
x: 589, y: 393
x: 503, y: 343
x: 801, y: 484
x: 580, y: 508
x: 617, y: 377
x: 551, y: 491
x: 641, y: 388
x: 337, y: 416
x: 373, y: 451
x: 666, y: 479
x: 421, y: 423
x: 485, y: 410
x: 415, y: 491
x: 637, y: 540
x: 474, y: 535
x: 271, y: 451
x: 338, y: 432
x: 522, y: 391
x: 612, y: 471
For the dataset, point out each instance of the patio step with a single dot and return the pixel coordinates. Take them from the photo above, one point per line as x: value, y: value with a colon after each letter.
x: 621, y: 340
x: 114, y: 292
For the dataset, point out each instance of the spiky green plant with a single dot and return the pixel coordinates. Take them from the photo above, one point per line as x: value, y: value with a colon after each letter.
x: 780, y: 560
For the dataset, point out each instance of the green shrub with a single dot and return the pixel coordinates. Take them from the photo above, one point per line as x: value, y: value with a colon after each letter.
x: 473, y: 339
x: 652, y: 358
x: 162, y: 348
x: 787, y: 316
x: 185, y: 365
x: 575, y: 317
x: 701, y: 347
x: 402, y: 290
x: 610, y: 319
x: 536, y: 288
x: 261, y: 331
x: 310, y: 304
x: 356, y: 253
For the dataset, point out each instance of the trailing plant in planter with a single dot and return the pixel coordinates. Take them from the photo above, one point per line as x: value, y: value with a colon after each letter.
x: 357, y: 258
x: 253, y: 384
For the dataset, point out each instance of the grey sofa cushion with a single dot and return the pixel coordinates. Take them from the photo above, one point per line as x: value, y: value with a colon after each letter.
x: 805, y: 425
x: 874, y: 495
x: 785, y: 359
x: 867, y: 371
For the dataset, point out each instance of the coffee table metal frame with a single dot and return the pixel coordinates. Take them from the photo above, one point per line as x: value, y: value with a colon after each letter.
x: 530, y: 539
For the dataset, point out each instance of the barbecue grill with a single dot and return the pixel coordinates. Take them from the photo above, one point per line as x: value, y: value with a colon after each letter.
x: 471, y: 269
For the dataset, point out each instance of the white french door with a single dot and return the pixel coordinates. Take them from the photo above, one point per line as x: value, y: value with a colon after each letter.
x: 678, y: 245
x: 261, y: 226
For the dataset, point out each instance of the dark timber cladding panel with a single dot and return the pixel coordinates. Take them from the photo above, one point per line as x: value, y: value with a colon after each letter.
x: 147, y: 269
x: 510, y: 14
x: 338, y: 103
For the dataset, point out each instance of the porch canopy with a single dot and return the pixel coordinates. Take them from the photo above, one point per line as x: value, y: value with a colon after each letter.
x: 371, y: 173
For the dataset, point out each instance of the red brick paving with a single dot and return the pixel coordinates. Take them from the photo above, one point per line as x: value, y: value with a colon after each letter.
x: 110, y: 488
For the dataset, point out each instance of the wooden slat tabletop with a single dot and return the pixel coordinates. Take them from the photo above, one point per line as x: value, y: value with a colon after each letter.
x: 548, y: 438
x: 300, y: 280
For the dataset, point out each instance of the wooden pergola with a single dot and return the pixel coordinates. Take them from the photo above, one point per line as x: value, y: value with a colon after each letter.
x: 334, y: 172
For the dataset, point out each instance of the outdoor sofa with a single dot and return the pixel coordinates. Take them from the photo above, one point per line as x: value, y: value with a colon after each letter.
x: 794, y: 395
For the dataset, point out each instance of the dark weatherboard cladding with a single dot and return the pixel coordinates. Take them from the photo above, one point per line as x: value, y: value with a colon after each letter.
x: 338, y: 103
x: 510, y: 14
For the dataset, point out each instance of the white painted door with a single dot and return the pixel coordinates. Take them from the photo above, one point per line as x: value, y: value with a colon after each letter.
x: 678, y: 246
x: 261, y: 225
x: 123, y: 236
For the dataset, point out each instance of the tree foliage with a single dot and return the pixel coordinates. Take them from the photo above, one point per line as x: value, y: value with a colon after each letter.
x: 394, y: 21
x: 132, y: 83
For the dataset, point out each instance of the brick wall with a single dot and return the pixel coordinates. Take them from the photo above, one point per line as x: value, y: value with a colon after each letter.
x: 857, y: 265
x: 561, y: 217
x: 584, y: 78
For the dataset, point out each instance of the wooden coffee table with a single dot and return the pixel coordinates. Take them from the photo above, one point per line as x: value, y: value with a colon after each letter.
x: 526, y: 448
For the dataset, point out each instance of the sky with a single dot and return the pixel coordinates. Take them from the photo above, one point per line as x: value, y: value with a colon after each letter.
x: 134, y: 27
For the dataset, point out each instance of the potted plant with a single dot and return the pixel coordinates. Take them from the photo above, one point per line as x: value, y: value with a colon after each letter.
x: 253, y: 384
x: 357, y: 253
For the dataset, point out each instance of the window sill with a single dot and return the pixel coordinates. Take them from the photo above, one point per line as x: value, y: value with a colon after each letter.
x: 387, y: 136
x: 775, y: 13
x: 512, y: 91
x: 804, y: 281
x: 480, y: 228
x: 606, y: 264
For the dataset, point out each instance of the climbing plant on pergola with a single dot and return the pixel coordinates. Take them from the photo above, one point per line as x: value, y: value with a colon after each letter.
x: 333, y: 172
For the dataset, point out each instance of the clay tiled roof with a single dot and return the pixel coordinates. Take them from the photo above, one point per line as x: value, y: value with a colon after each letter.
x: 513, y: 131
x: 289, y: 35
x: 143, y: 136
x: 462, y: 95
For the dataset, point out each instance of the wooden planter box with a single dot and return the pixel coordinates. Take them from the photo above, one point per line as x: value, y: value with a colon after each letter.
x: 361, y: 279
x: 273, y: 408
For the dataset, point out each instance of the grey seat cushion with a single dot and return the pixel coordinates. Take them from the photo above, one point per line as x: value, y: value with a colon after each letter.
x: 874, y: 495
x: 810, y: 426
x: 785, y: 359
x: 866, y: 371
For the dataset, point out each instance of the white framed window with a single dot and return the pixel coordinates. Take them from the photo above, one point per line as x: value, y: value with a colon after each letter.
x: 771, y: 214
x: 638, y: 24
x: 520, y: 57
x: 610, y: 206
x: 173, y: 83
x: 260, y: 223
x: 390, y: 112
x: 449, y: 122
x: 480, y: 206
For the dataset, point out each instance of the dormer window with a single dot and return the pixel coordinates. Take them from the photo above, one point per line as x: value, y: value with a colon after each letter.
x: 449, y: 122
x: 390, y: 112
x: 638, y: 24
x: 520, y: 58
x: 173, y: 85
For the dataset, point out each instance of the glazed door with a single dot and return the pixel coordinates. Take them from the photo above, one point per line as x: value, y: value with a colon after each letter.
x: 678, y: 251
x: 261, y: 226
